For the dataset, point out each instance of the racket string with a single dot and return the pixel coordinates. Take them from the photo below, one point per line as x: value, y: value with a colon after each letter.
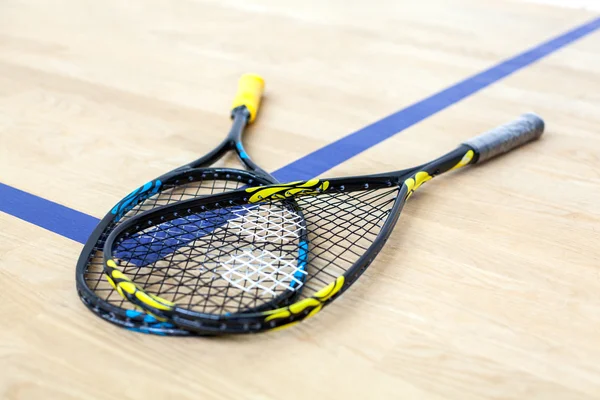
x: 94, y: 274
x: 332, y: 251
x: 244, y: 257
x: 234, y: 257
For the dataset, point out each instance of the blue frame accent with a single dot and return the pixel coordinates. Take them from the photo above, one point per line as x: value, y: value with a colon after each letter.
x: 243, y: 153
x: 135, y: 197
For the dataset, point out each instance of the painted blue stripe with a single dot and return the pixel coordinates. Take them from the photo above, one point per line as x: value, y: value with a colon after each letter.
x: 78, y: 226
x: 336, y: 153
x: 46, y: 214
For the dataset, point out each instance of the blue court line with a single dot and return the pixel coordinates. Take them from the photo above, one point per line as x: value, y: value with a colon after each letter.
x: 349, y: 146
x: 78, y: 226
x: 46, y: 214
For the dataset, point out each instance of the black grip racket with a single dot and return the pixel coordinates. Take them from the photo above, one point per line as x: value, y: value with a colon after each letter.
x: 189, y: 181
x: 317, y: 245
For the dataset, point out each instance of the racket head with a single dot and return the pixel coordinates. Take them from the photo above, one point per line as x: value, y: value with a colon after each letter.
x: 197, y: 178
x: 348, y: 221
x: 185, y: 184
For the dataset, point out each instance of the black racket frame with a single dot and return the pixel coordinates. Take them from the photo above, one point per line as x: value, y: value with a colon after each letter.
x: 194, y: 171
x: 209, y: 324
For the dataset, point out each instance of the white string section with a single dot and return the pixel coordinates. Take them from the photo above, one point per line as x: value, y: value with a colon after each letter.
x: 268, y: 223
x: 275, y: 260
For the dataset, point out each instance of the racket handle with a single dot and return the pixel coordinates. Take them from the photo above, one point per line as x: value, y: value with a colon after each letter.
x: 249, y: 93
x: 507, y: 137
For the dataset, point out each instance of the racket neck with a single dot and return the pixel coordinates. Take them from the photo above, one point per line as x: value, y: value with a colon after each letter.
x: 209, y: 158
x: 457, y: 158
x: 461, y: 156
x: 241, y: 116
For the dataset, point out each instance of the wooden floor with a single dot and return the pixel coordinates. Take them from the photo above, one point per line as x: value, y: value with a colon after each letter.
x: 490, y: 285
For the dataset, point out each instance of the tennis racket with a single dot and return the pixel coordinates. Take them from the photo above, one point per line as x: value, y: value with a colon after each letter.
x: 189, y: 181
x: 312, y: 237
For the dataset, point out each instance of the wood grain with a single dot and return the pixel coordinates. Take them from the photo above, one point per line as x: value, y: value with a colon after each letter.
x: 488, y: 288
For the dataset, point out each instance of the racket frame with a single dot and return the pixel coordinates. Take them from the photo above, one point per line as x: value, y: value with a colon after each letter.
x: 490, y: 144
x: 253, y: 322
x: 254, y: 175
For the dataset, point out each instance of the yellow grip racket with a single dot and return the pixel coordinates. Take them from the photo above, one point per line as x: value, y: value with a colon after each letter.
x: 249, y: 93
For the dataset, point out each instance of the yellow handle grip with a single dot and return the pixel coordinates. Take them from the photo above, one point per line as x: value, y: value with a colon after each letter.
x: 249, y: 93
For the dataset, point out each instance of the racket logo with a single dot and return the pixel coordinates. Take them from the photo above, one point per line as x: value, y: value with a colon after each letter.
x: 130, y: 291
x: 293, y: 189
x: 313, y: 303
x: 132, y: 199
x: 149, y: 322
x: 421, y: 177
x: 415, y: 182
x: 466, y: 160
